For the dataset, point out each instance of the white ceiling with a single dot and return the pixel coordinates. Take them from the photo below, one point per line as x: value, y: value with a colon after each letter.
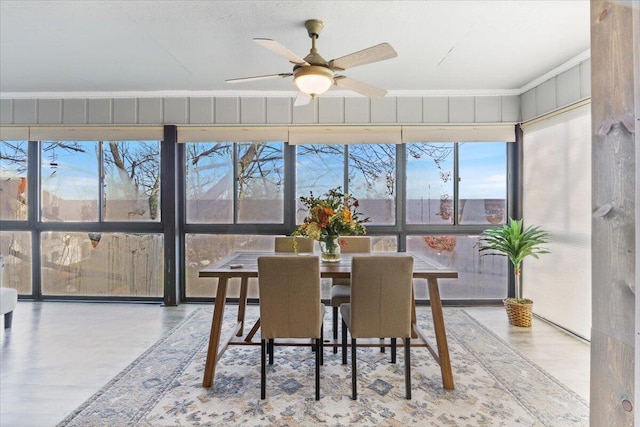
x: 106, y: 48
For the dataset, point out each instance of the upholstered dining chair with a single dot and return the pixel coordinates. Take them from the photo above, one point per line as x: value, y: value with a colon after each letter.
x: 380, y: 307
x: 290, y: 306
x: 285, y: 244
x: 341, y: 289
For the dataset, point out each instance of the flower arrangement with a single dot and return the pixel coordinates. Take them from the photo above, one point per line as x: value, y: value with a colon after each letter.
x: 331, y: 216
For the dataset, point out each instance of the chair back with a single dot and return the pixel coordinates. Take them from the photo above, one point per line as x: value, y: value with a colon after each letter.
x: 285, y: 244
x: 289, y: 290
x: 353, y: 244
x: 381, y: 292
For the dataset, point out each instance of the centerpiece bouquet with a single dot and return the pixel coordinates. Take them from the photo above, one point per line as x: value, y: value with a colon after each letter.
x: 329, y: 217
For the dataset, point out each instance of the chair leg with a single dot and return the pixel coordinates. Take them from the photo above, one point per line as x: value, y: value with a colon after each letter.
x: 263, y: 369
x: 344, y: 342
x: 321, y: 346
x: 354, y: 375
x: 335, y: 328
x: 270, y: 347
x: 382, y: 346
x: 393, y: 350
x: 318, y: 361
x: 407, y: 367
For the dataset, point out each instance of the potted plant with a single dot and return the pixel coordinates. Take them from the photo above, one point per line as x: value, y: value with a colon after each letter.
x: 516, y: 243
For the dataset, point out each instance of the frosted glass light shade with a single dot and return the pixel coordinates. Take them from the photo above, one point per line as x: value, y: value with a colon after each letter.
x: 313, y: 80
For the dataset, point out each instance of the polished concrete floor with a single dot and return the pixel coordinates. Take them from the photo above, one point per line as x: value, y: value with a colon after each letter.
x: 58, y: 354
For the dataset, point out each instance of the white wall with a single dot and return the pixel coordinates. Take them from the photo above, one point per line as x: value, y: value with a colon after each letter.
x: 557, y: 197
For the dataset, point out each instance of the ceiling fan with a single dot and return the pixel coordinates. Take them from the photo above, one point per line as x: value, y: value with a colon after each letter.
x: 314, y: 75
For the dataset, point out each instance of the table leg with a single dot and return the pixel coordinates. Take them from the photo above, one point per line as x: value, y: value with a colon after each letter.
x: 441, y: 335
x: 242, y: 304
x: 214, y: 336
x: 414, y: 318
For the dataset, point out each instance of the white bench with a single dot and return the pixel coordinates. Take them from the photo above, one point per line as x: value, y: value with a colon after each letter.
x: 8, y: 300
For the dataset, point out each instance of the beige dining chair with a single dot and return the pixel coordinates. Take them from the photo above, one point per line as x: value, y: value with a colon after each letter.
x: 285, y: 244
x: 380, y: 307
x: 341, y: 289
x: 290, y: 306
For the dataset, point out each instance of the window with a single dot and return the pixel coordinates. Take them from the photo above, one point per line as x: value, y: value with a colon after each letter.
x: 371, y: 175
x: 102, y: 264
x: 372, y: 179
x: 218, y: 193
x: 483, y: 182
x: 69, y: 181
x: 131, y: 180
x: 456, y: 183
x: 13, y: 180
x: 71, y: 189
x: 319, y: 168
x: 429, y: 183
x: 15, y: 248
x: 479, y: 277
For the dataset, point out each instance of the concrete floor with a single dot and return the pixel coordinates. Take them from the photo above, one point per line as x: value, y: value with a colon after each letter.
x: 58, y: 354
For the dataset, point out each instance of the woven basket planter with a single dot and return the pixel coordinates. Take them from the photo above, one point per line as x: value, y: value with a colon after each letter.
x: 519, y: 314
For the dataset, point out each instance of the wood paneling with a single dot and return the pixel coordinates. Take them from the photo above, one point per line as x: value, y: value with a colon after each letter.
x: 568, y: 87
x: 49, y: 111
x: 125, y: 111
x: 357, y: 110
x: 99, y: 111
x: 201, y: 110
x: 409, y: 109
x: 330, y: 110
x: 232, y: 110
x: 150, y: 110
x: 6, y: 111
x: 462, y: 109
x: 614, y: 228
x: 383, y: 110
x: 253, y: 110
x: 279, y: 110
x: 546, y: 97
x: 227, y: 110
x: 488, y: 109
x: 74, y: 111
x: 176, y: 110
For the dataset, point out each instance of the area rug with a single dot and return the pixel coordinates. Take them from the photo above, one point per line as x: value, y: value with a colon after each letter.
x: 495, y: 385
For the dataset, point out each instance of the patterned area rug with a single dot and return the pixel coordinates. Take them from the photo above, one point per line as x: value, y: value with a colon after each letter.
x: 495, y: 385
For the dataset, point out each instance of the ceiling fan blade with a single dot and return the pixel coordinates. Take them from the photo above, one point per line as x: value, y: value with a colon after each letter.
x: 301, y: 99
x: 250, y: 79
x: 375, y: 53
x: 278, y: 49
x: 361, y: 88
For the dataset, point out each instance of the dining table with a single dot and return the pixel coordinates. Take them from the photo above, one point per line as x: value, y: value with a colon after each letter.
x: 244, y: 265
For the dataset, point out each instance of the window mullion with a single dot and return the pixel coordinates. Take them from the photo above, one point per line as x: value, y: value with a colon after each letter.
x: 456, y: 182
x: 101, y: 174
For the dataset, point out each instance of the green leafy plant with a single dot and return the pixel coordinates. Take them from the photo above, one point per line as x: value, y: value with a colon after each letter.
x: 516, y: 243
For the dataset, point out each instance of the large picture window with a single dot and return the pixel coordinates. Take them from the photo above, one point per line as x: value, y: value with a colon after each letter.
x: 100, y: 232
x: 94, y: 195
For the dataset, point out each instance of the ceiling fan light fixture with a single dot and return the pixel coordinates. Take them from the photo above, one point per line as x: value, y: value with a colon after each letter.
x: 313, y: 80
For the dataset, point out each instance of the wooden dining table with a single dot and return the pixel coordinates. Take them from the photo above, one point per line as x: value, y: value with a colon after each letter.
x: 244, y: 265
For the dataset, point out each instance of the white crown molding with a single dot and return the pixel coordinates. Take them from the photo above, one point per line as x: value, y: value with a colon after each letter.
x: 244, y: 94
